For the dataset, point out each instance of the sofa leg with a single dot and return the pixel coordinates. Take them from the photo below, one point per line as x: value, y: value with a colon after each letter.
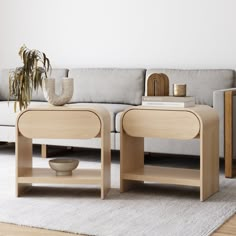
x: 230, y: 169
x: 44, y: 153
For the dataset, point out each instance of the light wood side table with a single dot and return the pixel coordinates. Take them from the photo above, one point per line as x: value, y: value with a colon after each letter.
x: 67, y: 122
x: 200, y: 122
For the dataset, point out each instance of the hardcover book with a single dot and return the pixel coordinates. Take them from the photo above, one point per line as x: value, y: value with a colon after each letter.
x: 168, y: 101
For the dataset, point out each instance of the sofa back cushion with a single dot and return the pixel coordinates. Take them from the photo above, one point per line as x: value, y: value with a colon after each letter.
x: 124, y: 86
x: 4, y: 84
x: 200, y: 83
x: 37, y: 95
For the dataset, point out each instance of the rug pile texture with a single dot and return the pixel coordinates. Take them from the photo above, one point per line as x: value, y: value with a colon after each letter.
x: 151, y: 210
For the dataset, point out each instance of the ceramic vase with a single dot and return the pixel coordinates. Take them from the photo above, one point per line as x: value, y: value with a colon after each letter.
x: 49, y: 90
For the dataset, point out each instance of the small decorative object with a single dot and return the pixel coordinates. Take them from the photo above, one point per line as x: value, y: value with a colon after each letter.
x: 23, y: 80
x: 52, y: 97
x: 179, y: 90
x: 63, y: 167
x: 158, y: 85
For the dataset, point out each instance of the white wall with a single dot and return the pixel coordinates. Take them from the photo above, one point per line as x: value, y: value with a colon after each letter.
x: 121, y: 33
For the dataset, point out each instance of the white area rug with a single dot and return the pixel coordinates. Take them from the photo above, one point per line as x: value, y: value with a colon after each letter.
x: 153, y: 210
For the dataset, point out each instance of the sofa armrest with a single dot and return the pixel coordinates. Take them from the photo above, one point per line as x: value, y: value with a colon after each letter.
x: 224, y: 101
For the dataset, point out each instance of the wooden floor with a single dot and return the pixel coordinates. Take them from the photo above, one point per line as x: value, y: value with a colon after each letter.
x: 227, y: 229
x: 15, y: 230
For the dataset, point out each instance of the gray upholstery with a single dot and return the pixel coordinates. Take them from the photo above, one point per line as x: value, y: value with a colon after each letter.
x: 171, y: 146
x: 37, y: 95
x: 7, y: 134
x: 8, y: 116
x: 4, y: 84
x: 124, y: 86
x: 200, y: 83
x: 218, y: 104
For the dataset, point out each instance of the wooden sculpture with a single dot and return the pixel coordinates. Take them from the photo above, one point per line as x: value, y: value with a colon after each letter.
x: 158, y: 85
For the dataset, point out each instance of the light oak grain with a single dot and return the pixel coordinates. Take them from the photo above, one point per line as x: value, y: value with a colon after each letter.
x: 176, y: 176
x: 23, y: 149
x: 16, y: 230
x: 227, y: 229
x: 59, y: 124
x: 44, y: 151
x: 201, y: 122
x: 71, y: 122
x: 132, y: 150
x: 45, y: 175
x: 161, y: 124
x: 230, y: 169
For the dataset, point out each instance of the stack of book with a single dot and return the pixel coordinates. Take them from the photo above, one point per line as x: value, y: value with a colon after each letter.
x: 168, y: 101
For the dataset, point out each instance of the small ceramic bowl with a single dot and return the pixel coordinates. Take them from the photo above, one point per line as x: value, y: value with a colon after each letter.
x: 63, y: 167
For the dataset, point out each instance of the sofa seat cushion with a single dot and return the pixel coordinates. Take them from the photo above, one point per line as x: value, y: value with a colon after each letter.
x: 8, y: 116
x: 113, y: 109
x: 200, y: 83
x: 118, y: 86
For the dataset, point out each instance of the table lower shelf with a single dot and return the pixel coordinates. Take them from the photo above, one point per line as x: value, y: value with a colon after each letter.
x: 48, y: 176
x: 166, y: 175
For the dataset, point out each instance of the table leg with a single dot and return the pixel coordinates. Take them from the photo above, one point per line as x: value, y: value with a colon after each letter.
x: 105, y: 163
x: 209, y: 161
x: 23, y: 161
x: 131, y: 158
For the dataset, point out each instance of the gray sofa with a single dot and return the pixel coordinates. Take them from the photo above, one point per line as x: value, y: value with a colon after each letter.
x: 118, y: 89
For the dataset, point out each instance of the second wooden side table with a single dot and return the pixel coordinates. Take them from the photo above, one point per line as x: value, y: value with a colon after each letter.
x: 200, y: 122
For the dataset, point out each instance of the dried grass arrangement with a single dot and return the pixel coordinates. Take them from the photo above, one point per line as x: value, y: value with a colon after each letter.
x: 23, y: 80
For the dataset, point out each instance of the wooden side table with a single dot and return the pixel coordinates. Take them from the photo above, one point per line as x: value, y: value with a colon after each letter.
x: 67, y: 122
x: 175, y: 123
